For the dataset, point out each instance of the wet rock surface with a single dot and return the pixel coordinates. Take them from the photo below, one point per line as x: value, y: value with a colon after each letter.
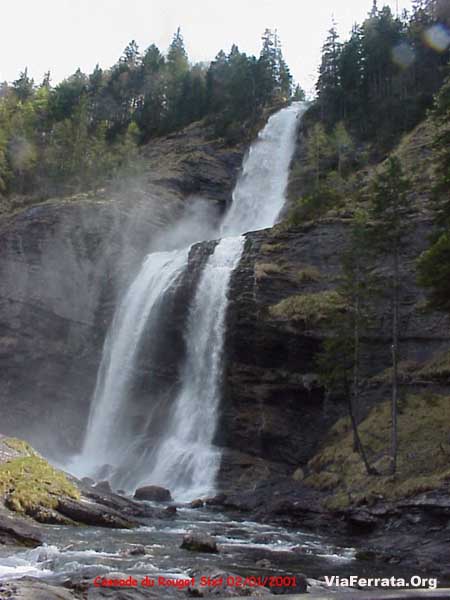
x: 18, y: 532
x: 153, y: 493
x: 34, y: 589
x: 199, y: 542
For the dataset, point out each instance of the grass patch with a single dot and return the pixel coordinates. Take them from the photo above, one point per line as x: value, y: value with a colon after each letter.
x: 263, y: 270
x: 437, y: 368
x: 267, y: 248
x: 309, y: 308
x: 407, y: 371
x: 29, y: 482
x: 423, y: 459
x: 308, y: 274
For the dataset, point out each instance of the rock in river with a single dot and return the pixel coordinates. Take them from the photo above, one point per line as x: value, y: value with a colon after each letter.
x: 199, y: 542
x: 153, y: 493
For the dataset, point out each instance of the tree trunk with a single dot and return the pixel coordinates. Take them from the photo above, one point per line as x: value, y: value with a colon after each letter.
x: 395, y: 323
x: 354, y: 396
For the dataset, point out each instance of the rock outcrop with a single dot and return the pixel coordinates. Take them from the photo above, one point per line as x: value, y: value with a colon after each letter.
x: 273, y: 405
x: 64, y: 263
x: 31, y: 487
x: 199, y: 542
x: 153, y: 493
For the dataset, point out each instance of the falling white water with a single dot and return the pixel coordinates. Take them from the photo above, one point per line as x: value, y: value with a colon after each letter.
x: 106, y: 437
x: 259, y: 194
x: 185, y: 458
x: 187, y: 461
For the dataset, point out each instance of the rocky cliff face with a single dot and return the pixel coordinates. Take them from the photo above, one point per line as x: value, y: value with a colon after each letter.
x: 273, y: 406
x: 64, y: 263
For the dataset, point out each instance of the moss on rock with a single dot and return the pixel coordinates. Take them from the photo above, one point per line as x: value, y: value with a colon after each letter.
x: 308, y: 274
x: 309, y: 308
x: 263, y: 270
x: 423, y: 458
x: 28, y: 482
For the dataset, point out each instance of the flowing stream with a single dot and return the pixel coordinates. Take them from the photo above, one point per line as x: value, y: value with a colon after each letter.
x: 185, y: 459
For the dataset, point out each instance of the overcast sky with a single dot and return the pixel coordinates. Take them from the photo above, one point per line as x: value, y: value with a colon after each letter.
x: 62, y: 35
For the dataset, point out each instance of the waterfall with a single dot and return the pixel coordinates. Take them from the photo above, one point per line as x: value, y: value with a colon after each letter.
x: 185, y: 458
x: 187, y: 461
x: 107, y: 436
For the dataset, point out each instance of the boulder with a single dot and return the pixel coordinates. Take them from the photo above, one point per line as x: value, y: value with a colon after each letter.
x: 103, y: 486
x: 91, y: 513
x: 34, y: 589
x: 137, y: 550
x: 199, y: 542
x: 170, y: 511
x: 16, y: 531
x: 198, y: 503
x: 216, y: 500
x: 153, y: 493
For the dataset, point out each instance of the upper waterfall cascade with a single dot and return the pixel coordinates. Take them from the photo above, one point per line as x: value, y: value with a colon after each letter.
x: 184, y: 457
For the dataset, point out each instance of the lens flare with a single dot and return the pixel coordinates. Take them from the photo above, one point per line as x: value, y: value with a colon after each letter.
x: 403, y: 55
x: 437, y: 37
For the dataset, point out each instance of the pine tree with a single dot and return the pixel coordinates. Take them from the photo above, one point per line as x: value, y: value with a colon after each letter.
x: 23, y: 86
x: 340, y: 361
x: 299, y: 94
x: 390, y: 208
x: 328, y: 85
x: 177, y: 66
x: 268, y: 71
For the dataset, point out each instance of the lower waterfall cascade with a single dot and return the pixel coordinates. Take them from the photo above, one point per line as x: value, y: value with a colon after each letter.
x: 184, y: 458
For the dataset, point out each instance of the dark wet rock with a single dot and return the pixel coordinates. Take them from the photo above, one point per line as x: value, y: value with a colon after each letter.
x: 48, y: 516
x: 199, y: 503
x: 17, y: 531
x: 34, y: 589
x: 171, y: 511
x: 137, y: 550
x: 218, y: 500
x: 103, y: 486
x: 153, y: 493
x: 90, y: 513
x: 126, y: 506
x: 361, y: 522
x: 199, y: 542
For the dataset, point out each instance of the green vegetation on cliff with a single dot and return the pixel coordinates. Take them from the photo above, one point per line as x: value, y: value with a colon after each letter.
x: 29, y: 483
x: 423, y: 457
x: 311, y: 309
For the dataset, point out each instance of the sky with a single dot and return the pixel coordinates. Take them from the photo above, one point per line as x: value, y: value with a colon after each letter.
x: 61, y: 35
